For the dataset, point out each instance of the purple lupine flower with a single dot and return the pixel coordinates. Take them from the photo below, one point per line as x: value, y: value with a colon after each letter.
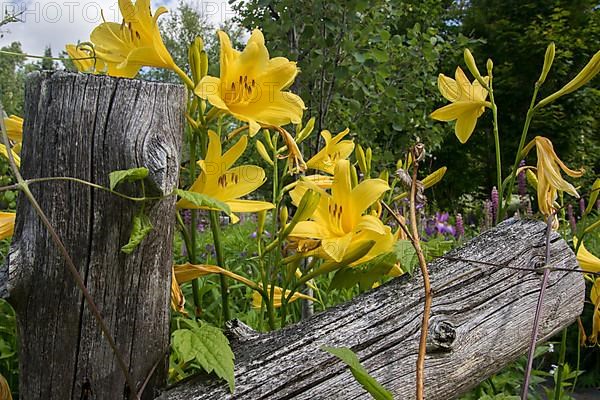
x: 460, y: 228
x: 571, y: 217
x: 495, y: 203
x: 522, y: 180
x: 582, y: 205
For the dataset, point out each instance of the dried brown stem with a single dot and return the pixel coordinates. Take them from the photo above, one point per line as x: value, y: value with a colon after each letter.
x: 420, y: 381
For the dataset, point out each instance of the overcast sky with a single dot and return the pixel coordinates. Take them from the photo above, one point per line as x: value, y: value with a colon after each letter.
x: 56, y: 23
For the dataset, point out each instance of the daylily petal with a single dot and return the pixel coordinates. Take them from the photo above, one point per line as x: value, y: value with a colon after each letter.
x: 7, y: 224
x: 448, y: 87
x: 249, y: 205
x: 465, y: 125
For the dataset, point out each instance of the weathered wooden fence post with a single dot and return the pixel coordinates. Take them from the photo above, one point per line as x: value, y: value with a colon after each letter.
x: 86, y: 126
x: 484, y: 302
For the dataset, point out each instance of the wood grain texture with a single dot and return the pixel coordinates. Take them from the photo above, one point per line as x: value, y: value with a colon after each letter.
x: 86, y: 126
x: 481, y: 320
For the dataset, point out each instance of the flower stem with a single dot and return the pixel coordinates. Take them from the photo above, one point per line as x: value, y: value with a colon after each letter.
x: 186, y: 79
x: 216, y: 231
x: 518, y: 155
x: 497, y: 148
x: 193, y: 226
x: 561, y: 365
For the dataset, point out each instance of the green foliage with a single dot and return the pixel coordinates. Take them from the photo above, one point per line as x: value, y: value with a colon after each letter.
x: 126, y: 175
x: 9, y: 361
x: 204, y: 347
x: 406, y: 255
x: 141, y: 226
x: 359, y: 372
x: 364, y: 275
x: 202, y: 200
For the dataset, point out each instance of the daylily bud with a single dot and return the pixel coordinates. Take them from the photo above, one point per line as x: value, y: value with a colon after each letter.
x: 306, y: 208
x: 260, y: 221
x: 384, y: 175
x: 489, y: 66
x: 194, y: 56
x: 306, y: 131
x: 399, y: 164
x: 262, y: 151
x: 369, y: 157
x: 532, y: 179
x: 361, y: 159
x: 470, y: 61
x: 434, y: 177
x: 353, y: 176
x: 548, y: 60
x: 268, y: 139
x: 283, y: 215
x: 587, y: 74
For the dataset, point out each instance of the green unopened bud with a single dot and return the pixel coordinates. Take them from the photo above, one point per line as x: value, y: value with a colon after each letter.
x: 531, y: 179
x: 262, y: 151
x: 283, y: 215
x: 399, y: 164
x: 548, y: 60
x: 434, y: 177
x: 369, y: 157
x: 353, y: 176
x: 306, y: 130
x: 203, y: 64
x: 587, y: 74
x: 470, y: 61
x: 268, y: 139
x: 361, y: 159
x: 489, y: 66
x: 384, y: 175
x: 306, y: 208
x: 194, y: 61
x: 260, y: 221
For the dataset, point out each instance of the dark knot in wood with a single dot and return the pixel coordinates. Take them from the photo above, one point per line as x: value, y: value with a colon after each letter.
x: 442, y: 334
x: 236, y: 330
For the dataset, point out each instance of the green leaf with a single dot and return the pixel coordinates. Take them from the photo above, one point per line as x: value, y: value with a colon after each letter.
x: 203, y: 201
x: 360, y: 373
x: 141, y: 227
x: 127, y: 175
x: 406, y: 254
x: 364, y: 275
x: 207, y: 346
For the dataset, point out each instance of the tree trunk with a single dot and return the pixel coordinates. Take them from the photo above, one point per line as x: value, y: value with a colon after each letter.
x: 481, y: 320
x: 87, y: 126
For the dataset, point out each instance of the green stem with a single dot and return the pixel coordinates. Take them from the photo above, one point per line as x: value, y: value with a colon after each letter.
x: 83, y: 182
x: 186, y: 79
x: 498, y: 155
x: 561, y: 365
x: 194, y: 213
x: 216, y: 231
x: 519, y: 156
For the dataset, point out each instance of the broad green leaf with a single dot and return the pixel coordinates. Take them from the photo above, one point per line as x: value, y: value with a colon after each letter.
x: 406, y: 255
x: 202, y: 200
x: 141, y: 227
x: 360, y: 373
x: 127, y: 175
x: 207, y: 346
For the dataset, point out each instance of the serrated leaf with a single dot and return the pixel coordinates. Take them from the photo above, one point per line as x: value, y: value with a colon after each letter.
x: 203, y: 201
x: 359, y: 372
x: 141, y: 226
x: 364, y: 275
x: 406, y: 255
x: 127, y: 175
x: 207, y: 346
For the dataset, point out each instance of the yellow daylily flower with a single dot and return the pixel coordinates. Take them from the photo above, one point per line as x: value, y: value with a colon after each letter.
x: 134, y: 43
x: 468, y: 103
x: 339, y: 221
x: 335, y: 149
x: 587, y: 261
x: 277, y: 298
x: 251, y: 85
x: 549, y: 177
x: 7, y: 224
x: 5, y: 393
x: 14, y: 128
x: 221, y: 182
x: 4, y: 153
